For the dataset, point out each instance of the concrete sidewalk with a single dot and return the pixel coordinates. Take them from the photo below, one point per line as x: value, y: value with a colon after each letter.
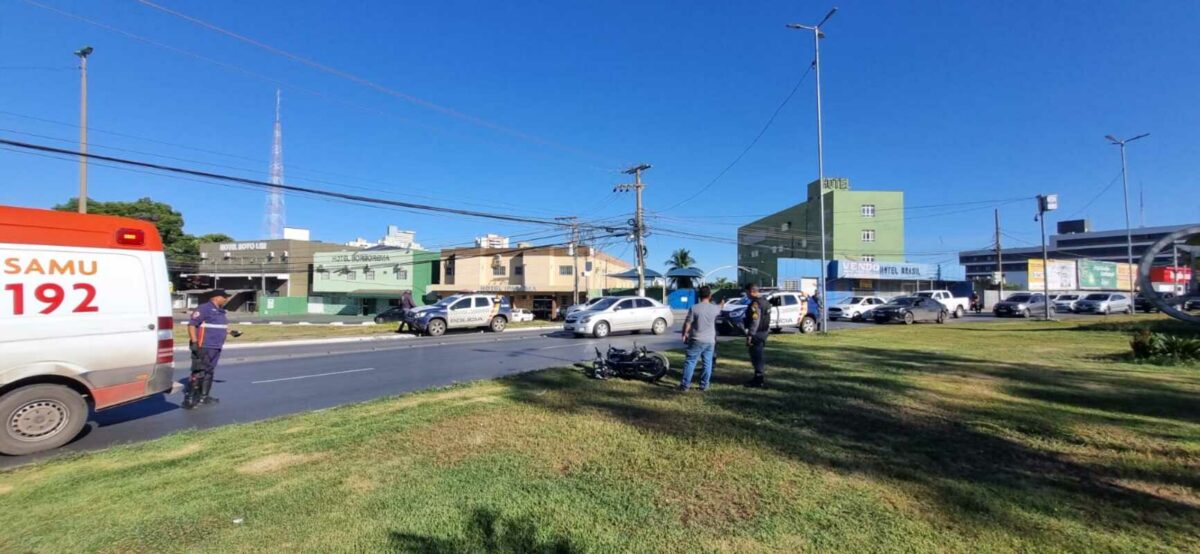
x: 364, y: 338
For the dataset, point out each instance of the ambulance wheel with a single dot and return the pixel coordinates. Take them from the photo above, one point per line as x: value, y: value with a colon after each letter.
x: 436, y: 328
x: 40, y: 417
x: 498, y: 324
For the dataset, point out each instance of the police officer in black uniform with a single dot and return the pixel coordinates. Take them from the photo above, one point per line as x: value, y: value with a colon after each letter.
x: 758, y: 328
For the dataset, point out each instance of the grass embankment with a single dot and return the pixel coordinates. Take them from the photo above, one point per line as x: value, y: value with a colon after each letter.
x: 972, y: 437
x: 260, y: 332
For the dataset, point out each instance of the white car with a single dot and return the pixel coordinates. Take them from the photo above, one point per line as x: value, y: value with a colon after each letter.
x: 521, y: 314
x: 620, y: 313
x: 568, y: 310
x: 855, y: 308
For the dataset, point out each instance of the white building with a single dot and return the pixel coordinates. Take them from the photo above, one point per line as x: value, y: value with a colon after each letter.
x: 491, y: 241
x: 395, y: 238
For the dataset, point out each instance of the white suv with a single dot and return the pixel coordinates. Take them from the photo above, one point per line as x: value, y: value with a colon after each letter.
x: 788, y: 309
x: 620, y: 313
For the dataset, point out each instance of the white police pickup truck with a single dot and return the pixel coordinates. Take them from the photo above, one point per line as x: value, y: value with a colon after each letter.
x: 462, y: 311
x: 956, y: 305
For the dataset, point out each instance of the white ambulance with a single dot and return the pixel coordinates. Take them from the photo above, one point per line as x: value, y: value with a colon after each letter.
x: 85, y: 322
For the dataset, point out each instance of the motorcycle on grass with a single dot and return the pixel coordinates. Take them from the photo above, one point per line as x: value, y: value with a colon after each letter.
x: 636, y: 363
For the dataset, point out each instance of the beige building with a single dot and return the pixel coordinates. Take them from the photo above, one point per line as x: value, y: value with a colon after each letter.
x: 538, y: 279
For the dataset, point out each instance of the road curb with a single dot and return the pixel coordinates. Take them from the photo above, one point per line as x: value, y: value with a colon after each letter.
x: 343, y: 340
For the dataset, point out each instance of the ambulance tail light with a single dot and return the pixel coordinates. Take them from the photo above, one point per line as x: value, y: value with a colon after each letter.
x: 166, y: 340
x: 131, y: 237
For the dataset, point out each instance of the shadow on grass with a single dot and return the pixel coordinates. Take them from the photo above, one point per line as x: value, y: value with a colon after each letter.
x: 860, y: 411
x: 486, y: 532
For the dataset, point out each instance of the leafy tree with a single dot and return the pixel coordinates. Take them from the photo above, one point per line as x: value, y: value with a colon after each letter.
x: 722, y: 283
x: 177, y: 245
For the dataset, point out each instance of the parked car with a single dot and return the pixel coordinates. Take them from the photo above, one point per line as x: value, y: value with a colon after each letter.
x: 957, y: 305
x: 1066, y: 302
x: 462, y: 311
x: 1021, y: 304
x: 855, y: 308
x: 565, y: 311
x: 392, y: 314
x: 788, y: 309
x: 620, y: 313
x: 911, y: 309
x: 521, y: 314
x: 1143, y: 304
x: 1104, y: 303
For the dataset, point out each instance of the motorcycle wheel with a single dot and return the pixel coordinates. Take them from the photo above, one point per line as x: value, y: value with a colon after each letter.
x: 656, y: 371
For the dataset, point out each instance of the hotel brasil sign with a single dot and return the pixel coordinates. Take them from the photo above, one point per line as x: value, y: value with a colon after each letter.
x: 846, y: 269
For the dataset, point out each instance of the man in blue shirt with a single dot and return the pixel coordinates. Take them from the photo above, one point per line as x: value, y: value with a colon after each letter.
x: 206, y: 337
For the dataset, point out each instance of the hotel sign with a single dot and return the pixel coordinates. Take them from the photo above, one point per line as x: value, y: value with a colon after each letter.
x: 846, y: 269
x: 235, y: 246
x: 837, y: 183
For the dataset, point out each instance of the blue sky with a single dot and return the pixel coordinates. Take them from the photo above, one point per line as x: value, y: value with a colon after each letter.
x: 948, y: 101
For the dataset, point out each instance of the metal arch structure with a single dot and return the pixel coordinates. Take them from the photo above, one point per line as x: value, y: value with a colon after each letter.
x: 1169, y: 307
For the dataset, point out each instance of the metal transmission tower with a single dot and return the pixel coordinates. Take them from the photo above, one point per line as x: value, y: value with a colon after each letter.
x: 274, y: 219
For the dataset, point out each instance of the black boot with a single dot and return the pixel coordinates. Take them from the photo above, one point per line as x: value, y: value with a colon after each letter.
x: 191, y: 394
x: 205, y: 387
x: 756, y: 383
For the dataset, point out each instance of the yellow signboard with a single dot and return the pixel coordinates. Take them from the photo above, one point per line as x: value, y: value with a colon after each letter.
x: 1125, y: 276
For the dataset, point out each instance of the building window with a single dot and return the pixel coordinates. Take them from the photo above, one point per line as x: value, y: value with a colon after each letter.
x: 369, y: 275
x: 402, y: 274
x: 518, y: 270
x: 785, y: 226
x: 499, y: 271
x: 350, y: 275
x: 868, y: 235
x: 754, y: 253
x: 868, y: 210
x: 566, y: 270
x: 324, y: 275
x: 868, y: 257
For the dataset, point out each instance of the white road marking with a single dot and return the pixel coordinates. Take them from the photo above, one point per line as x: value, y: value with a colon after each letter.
x: 576, y: 345
x: 314, y: 375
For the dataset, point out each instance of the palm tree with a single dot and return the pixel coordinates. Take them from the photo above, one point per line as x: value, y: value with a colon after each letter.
x: 681, y: 259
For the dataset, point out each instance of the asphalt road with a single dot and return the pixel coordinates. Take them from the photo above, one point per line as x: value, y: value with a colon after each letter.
x: 256, y: 383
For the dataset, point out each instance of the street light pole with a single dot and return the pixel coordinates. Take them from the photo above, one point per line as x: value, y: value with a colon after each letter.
x: 1046, y: 202
x: 817, y: 34
x: 83, y: 54
x: 1128, y: 229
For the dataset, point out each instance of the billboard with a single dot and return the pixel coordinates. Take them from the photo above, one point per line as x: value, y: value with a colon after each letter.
x: 1097, y: 275
x: 1126, y: 276
x: 1062, y: 275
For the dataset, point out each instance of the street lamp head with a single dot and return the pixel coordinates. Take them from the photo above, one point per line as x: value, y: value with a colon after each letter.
x: 827, y: 16
x: 84, y: 52
x: 1112, y: 139
x: 636, y: 168
x: 799, y: 26
x: 1143, y: 135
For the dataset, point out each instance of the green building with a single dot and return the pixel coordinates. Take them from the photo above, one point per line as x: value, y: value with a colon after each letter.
x: 365, y: 282
x: 860, y: 226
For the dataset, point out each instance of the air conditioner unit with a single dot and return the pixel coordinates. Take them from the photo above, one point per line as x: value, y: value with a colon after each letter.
x: 204, y: 255
x: 285, y: 254
x: 228, y: 255
x: 270, y: 255
x: 496, y: 260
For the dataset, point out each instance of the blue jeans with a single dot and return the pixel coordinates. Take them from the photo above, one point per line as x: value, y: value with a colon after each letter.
x: 695, y: 350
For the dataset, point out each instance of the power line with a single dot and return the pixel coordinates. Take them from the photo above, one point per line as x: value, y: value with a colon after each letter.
x: 1095, y: 198
x: 292, y: 188
x: 749, y: 147
x: 370, y: 84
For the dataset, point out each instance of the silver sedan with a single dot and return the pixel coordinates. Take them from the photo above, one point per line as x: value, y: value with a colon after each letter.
x: 620, y: 313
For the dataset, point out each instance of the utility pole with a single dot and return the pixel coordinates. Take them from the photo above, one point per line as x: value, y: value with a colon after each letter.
x: 1046, y: 202
x: 1125, y: 186
x: 639, y: 228
x: 999, y: 257
x: 817, y: 35
x: 83, y: 54
x: 574, y: 221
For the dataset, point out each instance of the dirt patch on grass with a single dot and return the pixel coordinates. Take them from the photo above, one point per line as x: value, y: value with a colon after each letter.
x: 5, y: 488
x: 1172, y: 493
x: 294, y: 429
x: 359, y: 484
x: 185, y: 451
x: 275, y: 462
x: 710, y: 493
x: 482, y: 393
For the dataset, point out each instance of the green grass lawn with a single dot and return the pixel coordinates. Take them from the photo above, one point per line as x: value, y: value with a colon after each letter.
x: 1009, y: 437
x: 269, y: 333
